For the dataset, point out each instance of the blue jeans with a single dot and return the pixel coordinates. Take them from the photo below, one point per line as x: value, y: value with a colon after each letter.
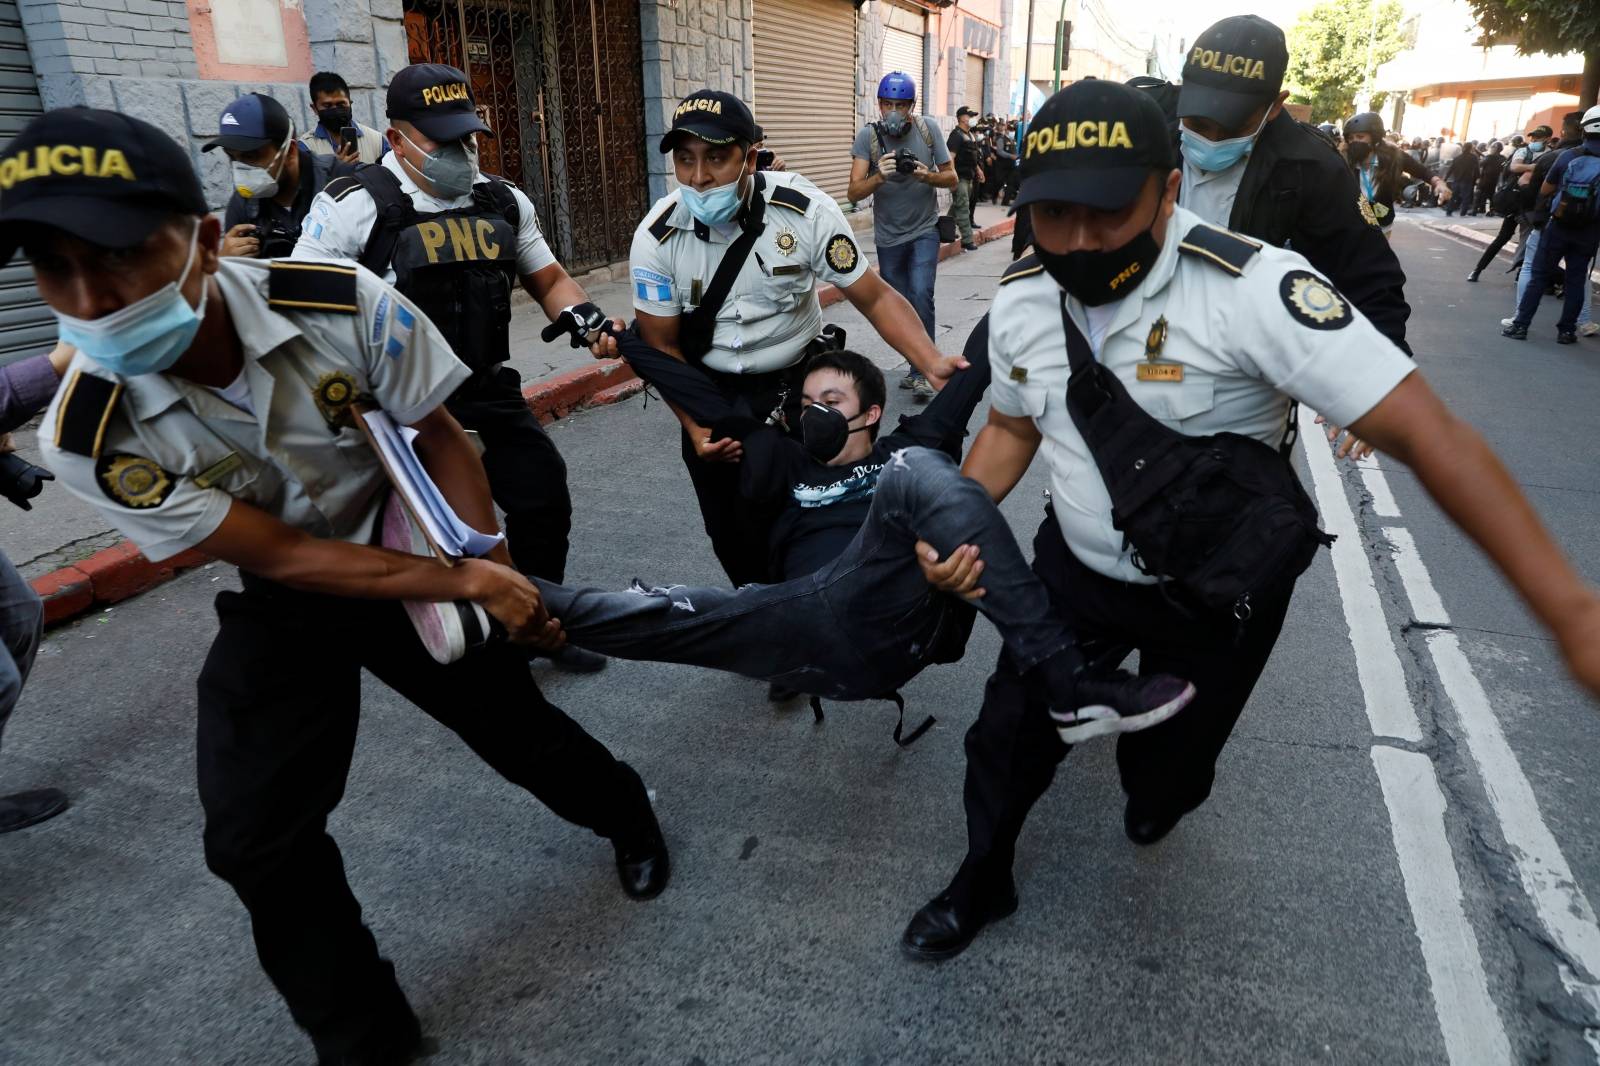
x: 21, y: 624
x: 909, y: 269
x: 860, y: 627
x: 1555, y: 245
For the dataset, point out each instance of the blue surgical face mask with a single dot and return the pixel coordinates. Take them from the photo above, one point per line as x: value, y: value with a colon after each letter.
x: 1216, y: 155
x: 1537, y: 146
x: 714, y: 206
x: 148, y: 335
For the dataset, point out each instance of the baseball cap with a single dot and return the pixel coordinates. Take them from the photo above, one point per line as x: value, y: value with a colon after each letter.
x: 1094, y: 143
x: 1539, y: 131
x: 105, y: 177
x: 249, y: 122
x: 964, y: 110
x: 714, y: 117
x: 437, y: 100
x: 1235, y: 66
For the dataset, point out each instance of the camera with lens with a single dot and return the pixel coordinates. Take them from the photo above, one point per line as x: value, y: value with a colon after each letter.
x: 20, y: 480
x: 277, y: 239
x: 905, y: 161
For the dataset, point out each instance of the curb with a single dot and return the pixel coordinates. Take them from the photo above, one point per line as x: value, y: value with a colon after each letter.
x: 116, y: 573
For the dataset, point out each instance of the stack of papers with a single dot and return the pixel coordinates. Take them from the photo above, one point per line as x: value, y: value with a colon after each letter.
x: 450, y: 537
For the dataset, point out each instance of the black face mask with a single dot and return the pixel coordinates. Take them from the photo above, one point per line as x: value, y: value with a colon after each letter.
x: 334, y: 119
x: 1358, y: 151
x: 1097, y: 278
x: 824, y: 431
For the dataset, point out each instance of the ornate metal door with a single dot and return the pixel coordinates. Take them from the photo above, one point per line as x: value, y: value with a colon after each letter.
x: 560, y: 83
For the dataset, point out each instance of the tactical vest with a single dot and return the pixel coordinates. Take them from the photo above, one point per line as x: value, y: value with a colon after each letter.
x: 457, y: 266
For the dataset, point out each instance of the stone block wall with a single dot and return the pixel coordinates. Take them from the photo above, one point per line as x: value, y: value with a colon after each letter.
x: 689, y: 45
x: 138, y: 57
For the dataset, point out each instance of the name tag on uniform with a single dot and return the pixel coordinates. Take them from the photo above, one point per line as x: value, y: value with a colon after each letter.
x: 787, y: 269
x: 1160, y: 371
x: 218, y: 470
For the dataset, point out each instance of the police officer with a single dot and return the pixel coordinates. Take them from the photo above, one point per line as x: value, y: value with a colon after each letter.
x: 455, y: 240
x: 275, y: 177
x: 749, y: 322
x: 1249, y: 166
x: 209, y: 408
x: 1209, y: 332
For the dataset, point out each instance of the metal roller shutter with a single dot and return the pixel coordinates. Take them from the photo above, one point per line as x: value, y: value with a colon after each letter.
x: 805, y: 86
x: 903, y: 51
x: 26, y: 324
x: 975, y: 78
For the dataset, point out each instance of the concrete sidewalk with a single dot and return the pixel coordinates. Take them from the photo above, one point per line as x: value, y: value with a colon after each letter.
x: 77, y: 562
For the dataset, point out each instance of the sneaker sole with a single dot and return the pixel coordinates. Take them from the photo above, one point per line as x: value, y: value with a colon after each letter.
x: 1108, y: 721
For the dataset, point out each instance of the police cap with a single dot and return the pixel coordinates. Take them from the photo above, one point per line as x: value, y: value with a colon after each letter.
x: 1235, y: 66
x: 106, y: 177
x: 251, y: 121
x: 714, y: 117
x: 1094, y: 143
x: 437, y: 100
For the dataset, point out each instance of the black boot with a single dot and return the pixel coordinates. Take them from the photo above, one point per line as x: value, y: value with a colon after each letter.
x: 948, y: 923
x: 643, y: 865
x: 1474, y: 275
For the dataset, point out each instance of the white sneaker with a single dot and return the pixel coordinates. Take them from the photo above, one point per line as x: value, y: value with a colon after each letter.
x: 1589, y: 329
x: 447, y: 630
x: 1505, y: 323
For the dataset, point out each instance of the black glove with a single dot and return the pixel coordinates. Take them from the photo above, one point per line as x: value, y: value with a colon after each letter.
x: 21, y: 481
x: 581, y: 321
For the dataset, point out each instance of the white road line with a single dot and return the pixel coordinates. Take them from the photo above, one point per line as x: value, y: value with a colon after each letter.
x: 1468, y: 1018
x: 1426, y: 606
x: 1546, y: 877
x: 1383, y: 504
x: 1383, y: 682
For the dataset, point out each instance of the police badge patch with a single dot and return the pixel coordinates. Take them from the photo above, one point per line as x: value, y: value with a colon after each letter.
x: 1366, y: 209
x: 133, y: 480
x: 333, y: 394
x: 1313, y: 301
x: 842, y: 254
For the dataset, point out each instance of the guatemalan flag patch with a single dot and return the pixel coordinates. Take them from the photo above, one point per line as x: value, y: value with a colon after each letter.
x: 651, y: 285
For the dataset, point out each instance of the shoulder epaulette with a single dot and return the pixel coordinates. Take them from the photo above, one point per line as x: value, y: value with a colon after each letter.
x: 1027, y: 266
x: 1221, y: 248
x: 306, y: 286
x: 341, y: 187
x: 659, y: 229
x: 790, y: 197
x: 84, y: 412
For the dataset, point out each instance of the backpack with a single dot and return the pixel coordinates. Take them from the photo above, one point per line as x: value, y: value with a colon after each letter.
x: 1577, y: 202
x: 877, y: 147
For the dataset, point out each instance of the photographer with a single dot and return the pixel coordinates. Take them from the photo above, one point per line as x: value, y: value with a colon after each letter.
x: 897, y: 163
x: 25, y: 389
x: 337, y: 135
x: 275, y: 178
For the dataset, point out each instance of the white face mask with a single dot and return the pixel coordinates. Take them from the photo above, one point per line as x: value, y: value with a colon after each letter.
x: 255, y: 183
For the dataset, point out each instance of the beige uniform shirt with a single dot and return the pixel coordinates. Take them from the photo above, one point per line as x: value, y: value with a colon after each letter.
x: 772, y: 312
x: 172, y: 456
x: 1248, y: 336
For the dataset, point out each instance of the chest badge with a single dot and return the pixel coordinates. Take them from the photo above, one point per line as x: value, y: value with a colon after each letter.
x: 786, y: 242
x: 134, y: 481
x: 1151, y: 369
x: 334, y: 393
x: 1019, y: 374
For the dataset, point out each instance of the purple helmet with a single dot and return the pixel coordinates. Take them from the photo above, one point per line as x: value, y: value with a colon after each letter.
x: 897, y: 85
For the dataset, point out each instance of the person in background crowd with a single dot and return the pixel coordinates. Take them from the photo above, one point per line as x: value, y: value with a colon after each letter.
x: 337, y: 133
x: 965, y: 149
x: 1490, y: 169
x: 25, y: 388
x: 897, y: 163
x: 1567, y: 222
x: 1462, y: 177
x: 1520, y: 169
x: 275, y: 178
x: 1381, y: 168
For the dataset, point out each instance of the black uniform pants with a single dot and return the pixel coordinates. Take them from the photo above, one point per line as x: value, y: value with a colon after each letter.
x: 1013, y: 748
x: 279, y: 701
x: 741, y: 529
x: 527, y: 476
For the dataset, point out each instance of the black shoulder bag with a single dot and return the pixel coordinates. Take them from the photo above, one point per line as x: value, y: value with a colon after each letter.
x: 696, y: 327
x: 1221, y: 517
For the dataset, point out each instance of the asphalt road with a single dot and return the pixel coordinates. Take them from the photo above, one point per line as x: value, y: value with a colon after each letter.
x: 1321, y: 908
